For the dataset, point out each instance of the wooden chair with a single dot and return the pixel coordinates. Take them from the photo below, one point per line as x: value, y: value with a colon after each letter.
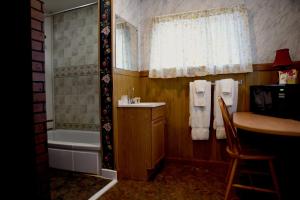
x: 237, y: 154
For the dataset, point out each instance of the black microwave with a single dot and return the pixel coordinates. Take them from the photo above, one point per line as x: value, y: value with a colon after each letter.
x: 276, y: 100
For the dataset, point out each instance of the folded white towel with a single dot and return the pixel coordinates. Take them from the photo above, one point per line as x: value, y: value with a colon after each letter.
x: 226, y: 86
x: 199, y: 119
x: 199, y: 93
x: 228, y: 99
x: 220, y: 133
x: 200, y: 133
x: 200, y: 85
x: 218, y: 119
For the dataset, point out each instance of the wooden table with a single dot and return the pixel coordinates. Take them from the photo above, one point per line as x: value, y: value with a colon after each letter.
x: 282, y: 137
x: 266, y: 124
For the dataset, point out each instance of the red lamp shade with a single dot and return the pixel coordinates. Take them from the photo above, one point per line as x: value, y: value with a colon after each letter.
x: 282, y: 58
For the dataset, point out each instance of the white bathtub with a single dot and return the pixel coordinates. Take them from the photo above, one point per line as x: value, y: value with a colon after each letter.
x: 75, y: 150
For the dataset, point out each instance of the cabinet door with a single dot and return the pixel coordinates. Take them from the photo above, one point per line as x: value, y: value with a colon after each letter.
x: 158, y: 141
x: 134, y: 142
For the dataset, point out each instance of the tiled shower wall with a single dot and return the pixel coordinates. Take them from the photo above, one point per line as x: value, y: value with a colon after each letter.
x: 76, y: 73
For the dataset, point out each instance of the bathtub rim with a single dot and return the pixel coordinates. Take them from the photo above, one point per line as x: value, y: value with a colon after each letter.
x: 60, y: 144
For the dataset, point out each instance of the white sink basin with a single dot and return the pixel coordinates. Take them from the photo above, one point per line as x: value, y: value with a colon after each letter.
x: 144, y: 104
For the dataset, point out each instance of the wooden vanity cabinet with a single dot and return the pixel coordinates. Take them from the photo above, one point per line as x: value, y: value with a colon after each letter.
x: 141, y: 139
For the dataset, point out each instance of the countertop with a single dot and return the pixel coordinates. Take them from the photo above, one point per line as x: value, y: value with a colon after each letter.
x: 143, y: 105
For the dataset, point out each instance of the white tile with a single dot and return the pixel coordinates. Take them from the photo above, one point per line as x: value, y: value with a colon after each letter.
x: 52, y: 157
x: 86, y: 162
x: 61, y: 159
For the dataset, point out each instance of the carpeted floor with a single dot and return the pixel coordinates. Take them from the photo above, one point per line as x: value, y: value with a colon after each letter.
x: 174, y: 182
x: 66, y: 185
x: 179, y: 182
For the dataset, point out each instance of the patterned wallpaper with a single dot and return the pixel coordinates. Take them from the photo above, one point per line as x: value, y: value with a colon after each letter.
x: 76, y: 73
x: 106, y: 85
x: 274, y: 24
x: 129, y: 10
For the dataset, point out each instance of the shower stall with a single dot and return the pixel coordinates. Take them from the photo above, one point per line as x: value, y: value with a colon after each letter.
x: 72, y: 89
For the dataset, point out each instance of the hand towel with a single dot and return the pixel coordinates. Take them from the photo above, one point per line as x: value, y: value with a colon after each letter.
x: 199, y: 93
x: 226, y: 86
x: 200, y: 85
x: 199, y: 119
x: 200, y: 133
x: 218, y: 119
x: 220, y: 132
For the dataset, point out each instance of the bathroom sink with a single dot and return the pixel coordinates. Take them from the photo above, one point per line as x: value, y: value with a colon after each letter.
x: 144, y: 104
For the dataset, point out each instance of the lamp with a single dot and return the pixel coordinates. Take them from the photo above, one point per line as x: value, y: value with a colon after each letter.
x: 282, y: 58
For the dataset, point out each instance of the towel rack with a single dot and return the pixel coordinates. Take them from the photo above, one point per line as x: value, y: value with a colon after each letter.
x: 240, y: 82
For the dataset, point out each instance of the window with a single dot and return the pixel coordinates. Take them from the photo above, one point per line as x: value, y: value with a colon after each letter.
x: 201, y: 43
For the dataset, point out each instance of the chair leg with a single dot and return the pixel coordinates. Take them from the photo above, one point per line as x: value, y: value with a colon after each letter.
x: 231, y: 177
x: 274, y: 178
x: 229, y: 170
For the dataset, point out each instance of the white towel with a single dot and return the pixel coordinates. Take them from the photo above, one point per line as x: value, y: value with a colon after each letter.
x: 220, y: 133
x: 226, y: 86
x: 200, y: 85
x: 199, y: 119
x: 199, y: 93
x: 218, y: 119
x: 200, y: 133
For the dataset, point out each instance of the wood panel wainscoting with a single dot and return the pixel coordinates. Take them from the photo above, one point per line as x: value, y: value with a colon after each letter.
x: 179, y: 144
x: 175, y: 92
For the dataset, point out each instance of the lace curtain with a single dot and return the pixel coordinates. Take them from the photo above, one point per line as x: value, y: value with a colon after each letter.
x: 123, y: 46
x: 201, y: 43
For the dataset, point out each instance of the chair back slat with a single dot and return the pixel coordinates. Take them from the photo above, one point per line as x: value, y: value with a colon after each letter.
x: 230, y: 130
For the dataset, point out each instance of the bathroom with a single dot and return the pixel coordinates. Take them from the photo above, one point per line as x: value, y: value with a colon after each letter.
x: 91, y: 74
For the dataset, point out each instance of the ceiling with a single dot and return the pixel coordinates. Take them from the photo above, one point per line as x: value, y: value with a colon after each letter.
x: 52, y: 6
